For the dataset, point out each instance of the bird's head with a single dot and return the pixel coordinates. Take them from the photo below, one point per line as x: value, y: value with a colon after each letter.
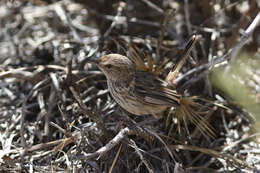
x: 116, y: 66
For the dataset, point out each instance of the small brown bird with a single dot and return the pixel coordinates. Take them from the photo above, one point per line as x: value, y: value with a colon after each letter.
x: 141, y: 92
x: 138, y: 92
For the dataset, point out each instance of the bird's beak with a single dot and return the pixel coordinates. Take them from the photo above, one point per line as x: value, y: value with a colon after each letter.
x: 93, y: 61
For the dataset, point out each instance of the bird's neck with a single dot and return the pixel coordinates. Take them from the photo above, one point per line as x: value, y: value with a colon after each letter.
x: 124, y: 80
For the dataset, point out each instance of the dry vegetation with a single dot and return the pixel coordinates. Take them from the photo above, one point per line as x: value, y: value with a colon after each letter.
x: 56, y: 114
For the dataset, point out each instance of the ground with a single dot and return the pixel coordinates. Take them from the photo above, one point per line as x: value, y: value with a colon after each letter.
x: 56, y: 113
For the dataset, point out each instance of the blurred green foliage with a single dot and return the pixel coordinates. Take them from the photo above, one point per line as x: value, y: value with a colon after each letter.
x: 240, y: 82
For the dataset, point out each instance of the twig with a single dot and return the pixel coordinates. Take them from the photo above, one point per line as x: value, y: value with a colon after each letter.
x: 193, y: 79
x: 223, y: 58
x: 146, y: 162
x: 214, y: 153
x: 153, y: 6
x: 23, y: 142
x: 24, y: 73
x: 121, y: 135
x: 187, y: 16
x: 52, y: 100
x: 115, y: 20
x: 123, y: 19
x: 61, y: 11
x: 245, y: 37
x: 166, y: 20
x: 235, y: 30
x: 230, y: 146
x: 161, y: 140
x: 115, y: 159
x: 203, y: 66
x: 83, y: 107
x: 187, y: 19
x: 58, y: 127
x: 42, y: 146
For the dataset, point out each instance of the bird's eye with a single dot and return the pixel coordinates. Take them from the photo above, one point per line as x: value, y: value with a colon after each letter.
x: 108, y: 66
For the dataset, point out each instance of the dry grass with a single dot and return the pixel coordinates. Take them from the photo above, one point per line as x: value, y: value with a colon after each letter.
x: 56, y: 114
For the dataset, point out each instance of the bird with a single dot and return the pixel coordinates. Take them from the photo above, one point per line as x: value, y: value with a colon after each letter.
x: 138, y: 92
x: 142, y: 92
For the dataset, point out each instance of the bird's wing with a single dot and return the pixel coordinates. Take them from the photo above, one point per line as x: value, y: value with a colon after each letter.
x: 153, y: 90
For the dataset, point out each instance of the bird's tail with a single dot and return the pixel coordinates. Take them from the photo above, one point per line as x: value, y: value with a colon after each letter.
x: 187, y: 111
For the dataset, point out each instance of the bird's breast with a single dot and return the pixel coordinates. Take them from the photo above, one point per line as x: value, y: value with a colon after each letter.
x: 124, y: 95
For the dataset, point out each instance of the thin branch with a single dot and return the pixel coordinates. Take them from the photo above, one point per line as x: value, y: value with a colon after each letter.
x: 37, y: 86
x: 115, y: 159
x: 85, y: 110
x: 123, y: 19
x: 120, y: 8
x: 153, y: 6
x: 245, y: 37
x: 165, y: 23
x: 233, y: 52
x: 111, y: 144
x: 188, y: 23
x: 146, y: 162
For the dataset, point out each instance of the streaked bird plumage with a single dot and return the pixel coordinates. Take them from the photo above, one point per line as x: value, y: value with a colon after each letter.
x: 142, y: 92
x: 138, y: 92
